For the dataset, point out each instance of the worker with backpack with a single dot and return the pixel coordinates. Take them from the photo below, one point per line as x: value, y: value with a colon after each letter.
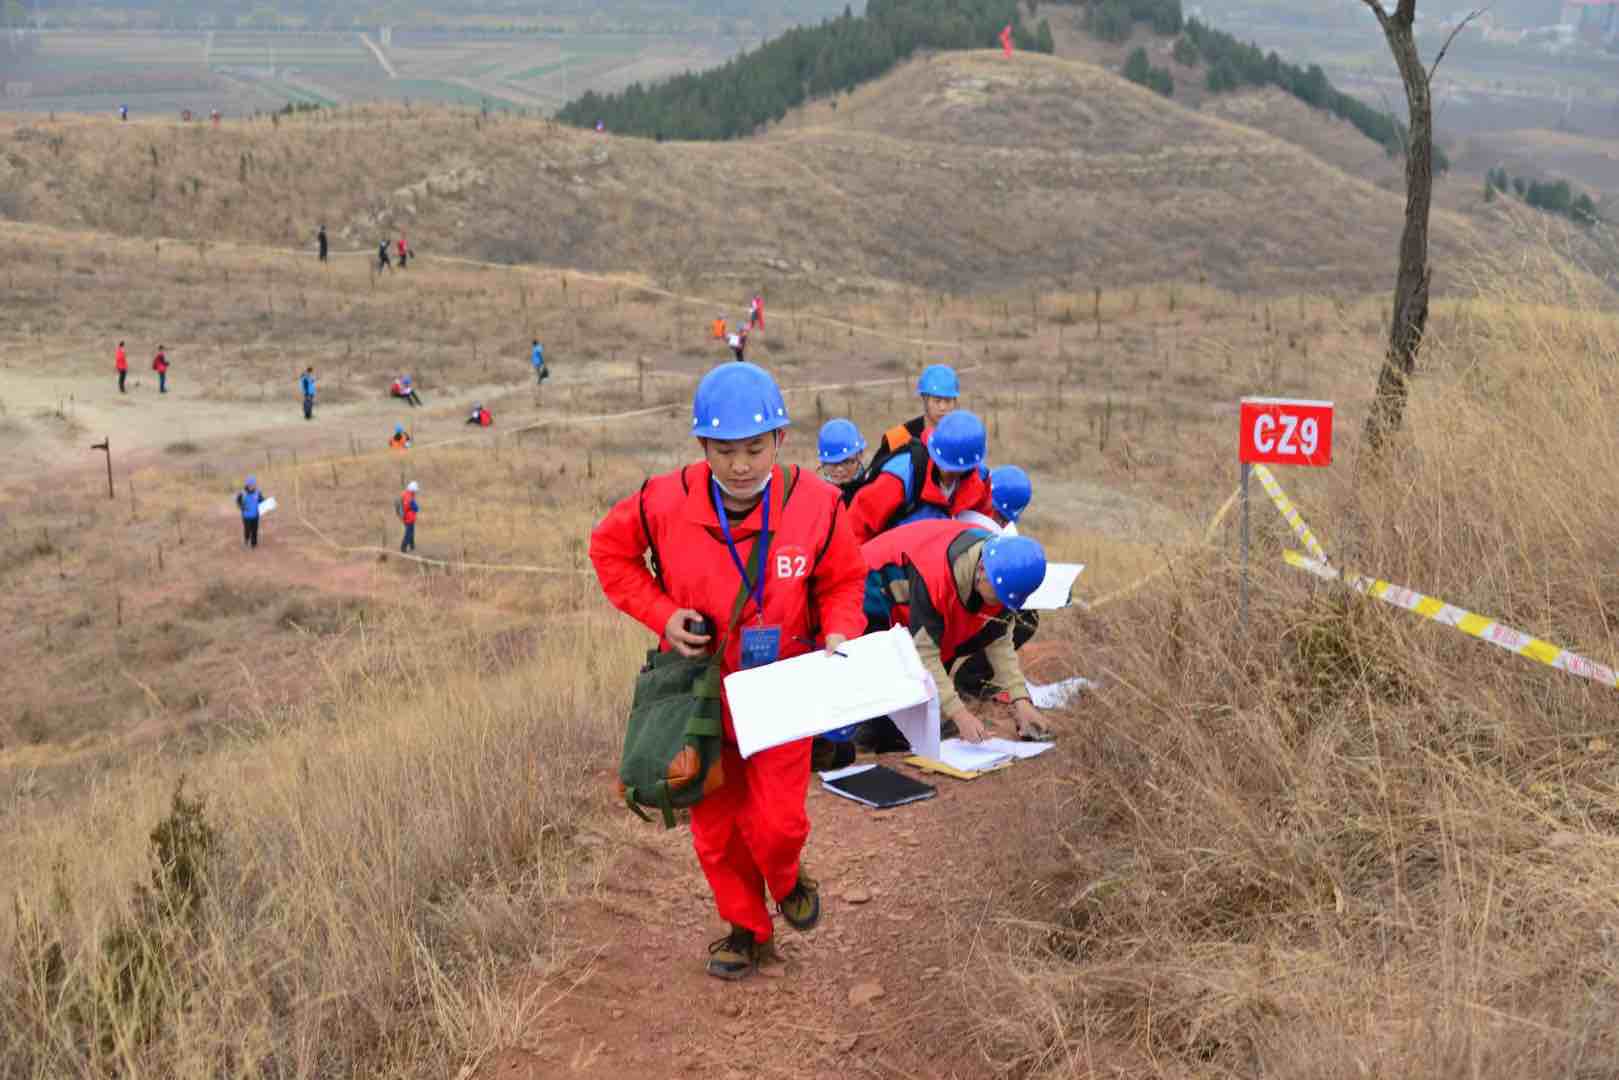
x: 749, y: 559
x: 940, y: 390
x: 839, y: 449
x: 933, y: 477
x: 956, y: 587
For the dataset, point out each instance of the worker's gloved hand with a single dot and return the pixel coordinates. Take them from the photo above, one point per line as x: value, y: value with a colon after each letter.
x: 834, y: 642
x: 684, y: 641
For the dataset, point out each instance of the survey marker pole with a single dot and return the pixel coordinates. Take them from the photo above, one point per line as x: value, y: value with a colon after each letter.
x: 1247, y: 471
x: 105, y: 445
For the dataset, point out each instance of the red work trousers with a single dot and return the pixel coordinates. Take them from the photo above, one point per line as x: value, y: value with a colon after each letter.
x: 750, y: 833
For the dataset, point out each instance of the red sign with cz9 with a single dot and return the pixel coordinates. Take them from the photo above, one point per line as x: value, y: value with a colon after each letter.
x: 1282, y: 431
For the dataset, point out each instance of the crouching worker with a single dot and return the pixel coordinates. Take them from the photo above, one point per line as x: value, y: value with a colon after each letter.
x: 700, y: 525
x: 481, y: 416
x: 1010, y: 490
x: 956, y: 587
x: 400, y: 439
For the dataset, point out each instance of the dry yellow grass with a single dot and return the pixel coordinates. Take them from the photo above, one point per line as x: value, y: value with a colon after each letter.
x: 1352, y: 842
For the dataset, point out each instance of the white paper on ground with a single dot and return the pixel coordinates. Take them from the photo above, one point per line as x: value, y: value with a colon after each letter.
x: 267, y: 506
x: 1054, y: 591
x: 968, y: 757
x: 815, y: 693
x: 1017, y: 747
x: 1056, y: 695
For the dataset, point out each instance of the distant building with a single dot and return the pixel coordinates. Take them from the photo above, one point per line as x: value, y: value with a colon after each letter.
x: 1594, y: 21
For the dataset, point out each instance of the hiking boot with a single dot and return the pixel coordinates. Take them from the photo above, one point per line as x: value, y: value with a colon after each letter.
x: 802, y: 907
x: 734, y: 956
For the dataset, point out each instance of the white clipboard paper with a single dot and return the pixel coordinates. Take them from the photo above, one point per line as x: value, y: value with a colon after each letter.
x: 879, y: 674
x: 1055, y: 591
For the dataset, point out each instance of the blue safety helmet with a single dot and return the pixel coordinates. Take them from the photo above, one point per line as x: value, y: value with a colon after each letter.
x: 939, y: 380
x: 252, y: 481
x: 840, y: 441
x: 737, y: 401
x: 399, y: 429
x: 1010, y: 490
x: 957, y: 444
x: 1015, y: 565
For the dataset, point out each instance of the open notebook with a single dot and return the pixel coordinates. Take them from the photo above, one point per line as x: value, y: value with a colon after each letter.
x: 878, y: 675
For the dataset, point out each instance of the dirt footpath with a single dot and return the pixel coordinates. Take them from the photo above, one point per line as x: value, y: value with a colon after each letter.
x: 875, y: 991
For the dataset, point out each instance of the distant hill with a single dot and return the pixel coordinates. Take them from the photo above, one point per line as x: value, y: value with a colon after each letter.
x: 961, y: 171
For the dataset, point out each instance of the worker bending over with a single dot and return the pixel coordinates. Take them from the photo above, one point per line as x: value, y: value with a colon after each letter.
x: 956, y: 587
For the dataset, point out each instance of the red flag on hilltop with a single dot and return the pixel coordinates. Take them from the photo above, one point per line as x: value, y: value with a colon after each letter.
x: 1006, y: 39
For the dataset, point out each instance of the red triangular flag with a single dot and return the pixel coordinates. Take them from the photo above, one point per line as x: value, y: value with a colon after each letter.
x: 1006, y: 39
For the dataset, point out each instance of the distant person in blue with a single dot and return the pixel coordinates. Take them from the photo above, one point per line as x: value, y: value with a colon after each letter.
x: 306, y: 383
x: 249, y: 499
x: 123, y: 112
x: 537, y: 358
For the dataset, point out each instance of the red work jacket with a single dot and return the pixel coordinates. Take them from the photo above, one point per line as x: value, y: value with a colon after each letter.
x: 913, y: 585
x: 877, y: 505
x: 814, y: 575
x: 120, y: 361
x: 407, y: 504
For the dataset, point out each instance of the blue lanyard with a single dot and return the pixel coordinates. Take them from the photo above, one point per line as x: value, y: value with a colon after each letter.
x: 756, y: 589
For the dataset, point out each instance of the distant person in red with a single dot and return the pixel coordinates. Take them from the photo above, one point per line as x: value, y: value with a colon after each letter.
x: 121, y: 363
x: 481, y: 416
x: 160, y: 364
x: 756, y: 312
x: 404, y: 252
x: 403, y: 388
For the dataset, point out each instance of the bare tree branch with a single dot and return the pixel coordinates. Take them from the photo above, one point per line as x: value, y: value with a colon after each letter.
x: 1405, y: 13
x: 1377, y: 9
x: 1445, y: 48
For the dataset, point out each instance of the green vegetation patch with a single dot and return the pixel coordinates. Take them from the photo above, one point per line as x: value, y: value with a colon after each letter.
x: 807, y: 62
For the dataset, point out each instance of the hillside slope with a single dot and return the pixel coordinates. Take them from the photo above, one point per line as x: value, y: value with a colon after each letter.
x: 958, y: 171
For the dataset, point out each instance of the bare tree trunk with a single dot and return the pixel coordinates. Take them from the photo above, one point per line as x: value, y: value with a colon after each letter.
x: 1411, y: 285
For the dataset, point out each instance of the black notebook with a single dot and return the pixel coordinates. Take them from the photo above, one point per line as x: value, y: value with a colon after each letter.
x: 876, y: 786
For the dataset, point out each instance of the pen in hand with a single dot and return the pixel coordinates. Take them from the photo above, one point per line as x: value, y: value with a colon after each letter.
x: 810, y: 642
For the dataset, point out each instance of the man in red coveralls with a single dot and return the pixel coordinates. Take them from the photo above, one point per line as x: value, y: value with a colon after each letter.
x: 700, y: 523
